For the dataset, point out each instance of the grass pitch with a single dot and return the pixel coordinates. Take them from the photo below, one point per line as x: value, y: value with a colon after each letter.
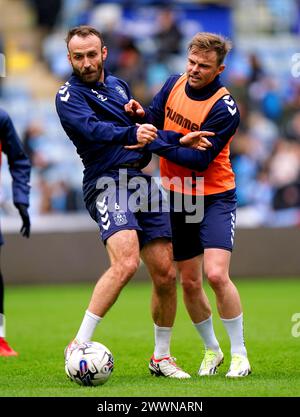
x: 41, y: 320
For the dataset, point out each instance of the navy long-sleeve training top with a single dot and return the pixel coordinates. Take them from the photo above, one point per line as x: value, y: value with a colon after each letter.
x: 18, y: 162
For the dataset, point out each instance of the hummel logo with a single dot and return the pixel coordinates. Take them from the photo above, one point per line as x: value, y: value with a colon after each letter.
x: 64, y: 93
x: 66, y: 97
x: 102, y: 207
x: 230, y: 104
x: 103, y: 210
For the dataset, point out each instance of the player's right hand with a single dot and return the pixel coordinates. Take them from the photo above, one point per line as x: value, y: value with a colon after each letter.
x: 145, y: 134
x: 197, y: 140
x: 134, y: 108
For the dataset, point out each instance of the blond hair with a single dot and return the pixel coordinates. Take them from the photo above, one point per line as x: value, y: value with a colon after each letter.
x: 206, y: 41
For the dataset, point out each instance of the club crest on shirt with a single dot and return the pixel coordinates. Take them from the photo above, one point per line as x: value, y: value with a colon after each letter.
x: 119, y: 216
x: 121, y: 91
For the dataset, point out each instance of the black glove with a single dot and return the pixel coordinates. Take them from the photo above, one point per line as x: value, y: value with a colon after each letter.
x: 23, y: 210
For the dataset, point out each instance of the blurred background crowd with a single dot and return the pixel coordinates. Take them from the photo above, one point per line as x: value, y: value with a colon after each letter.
x: 147, y: 41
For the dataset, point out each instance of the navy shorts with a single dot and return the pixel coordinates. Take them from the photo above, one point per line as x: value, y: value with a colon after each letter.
x: 215, y: 230
x: 130, y: 201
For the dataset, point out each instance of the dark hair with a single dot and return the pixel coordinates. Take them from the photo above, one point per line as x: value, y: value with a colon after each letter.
x: 205, y: 41
x: 83, y: 31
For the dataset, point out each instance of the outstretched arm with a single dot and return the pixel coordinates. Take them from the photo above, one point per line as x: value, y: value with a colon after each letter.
x: 147, y: 133
x: 223, y: 120
x: 187, y: 157
x: 171, y: 145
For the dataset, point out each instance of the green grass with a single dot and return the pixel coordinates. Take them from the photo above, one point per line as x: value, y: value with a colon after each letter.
x: 42, y: 319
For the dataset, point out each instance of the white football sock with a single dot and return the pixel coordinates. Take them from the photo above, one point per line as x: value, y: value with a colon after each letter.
x: 162, y: 341
x: 88, y: 326
x: 2, y: 325
x: 235, y: 330
x: 206, y: 331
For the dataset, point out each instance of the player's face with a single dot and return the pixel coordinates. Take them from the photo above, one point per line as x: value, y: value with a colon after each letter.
x: 202, y: 68
x: 87, y: 55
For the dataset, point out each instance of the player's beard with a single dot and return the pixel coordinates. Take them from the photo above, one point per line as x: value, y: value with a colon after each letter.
x: 90, y: 76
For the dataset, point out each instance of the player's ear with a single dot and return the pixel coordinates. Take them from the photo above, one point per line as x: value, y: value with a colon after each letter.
x: 221, y: 68
x: 104, y: 53
x: 69, y: 58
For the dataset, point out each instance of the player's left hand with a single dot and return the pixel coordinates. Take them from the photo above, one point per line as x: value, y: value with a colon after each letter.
x: 197, y: 140
x: 146, y: 133
x: 134, y: 108
x: 23, y: 210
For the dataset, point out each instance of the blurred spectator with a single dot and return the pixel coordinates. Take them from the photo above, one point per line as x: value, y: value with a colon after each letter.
x: 168, y: 36
x: 293, y: 128
x: 45, y: 196
x: 264, y: 134
x: 156, y: 74
x: 265, y: 95
x: 285, y: 175
x: 245, y: 167
x: 59, y: 196
x: 285, y: 164
x: 57, y: 189
x: 262, y: 193
x: 292, y: 104
x: 272, y: 105
x: 131, y: 67
x: 256, y: 71
x: 34, y: 143
x: 287, y: 196
x: 113, y: 41
x: 46, y: 13
x: 73, y: 12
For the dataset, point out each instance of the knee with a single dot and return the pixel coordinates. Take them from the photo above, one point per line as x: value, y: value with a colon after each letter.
x: 125, y: 269
x: 190, y: 283
x: 165, y: 279
x: 217, y: 278
x: 130, y: 266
